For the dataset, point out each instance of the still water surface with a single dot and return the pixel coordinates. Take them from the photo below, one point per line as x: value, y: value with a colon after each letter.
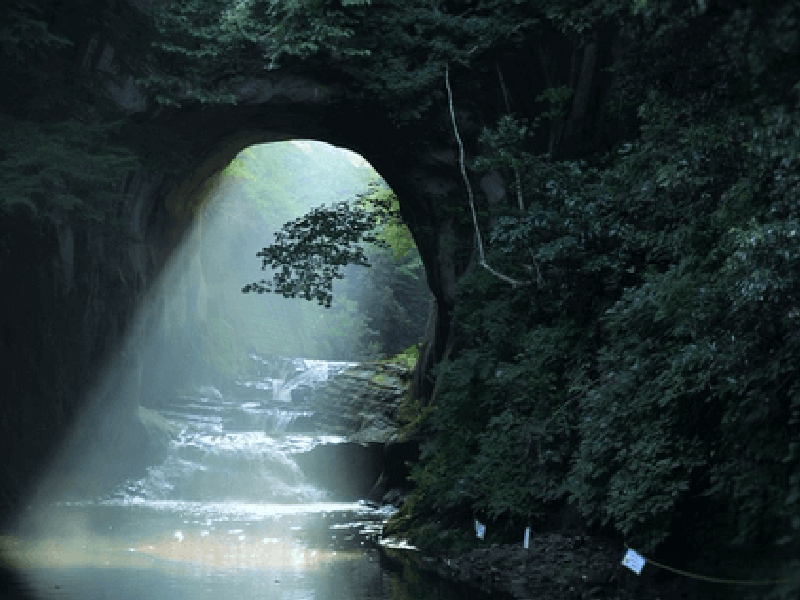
x: 204, y: 551
x: 228, y: 515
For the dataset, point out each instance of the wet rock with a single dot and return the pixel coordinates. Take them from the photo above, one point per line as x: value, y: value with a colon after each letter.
x: 250, y: 391
x: 302, y: 394
x: 159, y: 431
x: 210, y: 392
x: 395, y: 497
x: 362, y: 402
x: 348, y: 470
x: 308, y: 423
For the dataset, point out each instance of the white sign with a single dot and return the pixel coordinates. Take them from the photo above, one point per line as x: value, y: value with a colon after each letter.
x: 480, y: 529
x: 527, y: 538
x: 633, y: 561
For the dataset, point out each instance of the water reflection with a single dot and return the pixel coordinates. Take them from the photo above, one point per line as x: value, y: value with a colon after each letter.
x: 227, y: 515
x: 194, y: 550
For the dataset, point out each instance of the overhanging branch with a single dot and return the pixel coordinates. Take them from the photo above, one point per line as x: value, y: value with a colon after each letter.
x: 481, y: 256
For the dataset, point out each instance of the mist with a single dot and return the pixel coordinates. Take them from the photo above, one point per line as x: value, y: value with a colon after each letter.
x: 196, y: 336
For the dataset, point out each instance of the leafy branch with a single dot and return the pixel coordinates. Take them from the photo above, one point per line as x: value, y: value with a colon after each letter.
x: 310, y: 252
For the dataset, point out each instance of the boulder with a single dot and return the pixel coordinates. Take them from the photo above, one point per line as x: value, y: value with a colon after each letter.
x: 302, y: 394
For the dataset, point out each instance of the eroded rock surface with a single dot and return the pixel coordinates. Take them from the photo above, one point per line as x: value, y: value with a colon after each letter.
x: 360, y: 403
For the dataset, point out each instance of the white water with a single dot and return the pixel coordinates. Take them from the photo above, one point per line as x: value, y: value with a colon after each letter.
x: 227, y: 514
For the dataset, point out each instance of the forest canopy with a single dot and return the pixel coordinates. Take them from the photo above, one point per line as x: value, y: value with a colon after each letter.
x: 647, y: 372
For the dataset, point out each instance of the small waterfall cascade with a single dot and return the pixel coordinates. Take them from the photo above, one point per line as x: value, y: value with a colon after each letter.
x: 236, y: 446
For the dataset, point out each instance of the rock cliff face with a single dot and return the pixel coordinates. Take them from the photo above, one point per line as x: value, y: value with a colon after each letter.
x: 69, y: 294
x: 360, y: 403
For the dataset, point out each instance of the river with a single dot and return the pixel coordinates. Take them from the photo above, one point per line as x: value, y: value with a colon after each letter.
x: 228, y: 514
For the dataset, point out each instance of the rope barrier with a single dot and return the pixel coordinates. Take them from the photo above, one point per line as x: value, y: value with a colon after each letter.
x: 715, y: 579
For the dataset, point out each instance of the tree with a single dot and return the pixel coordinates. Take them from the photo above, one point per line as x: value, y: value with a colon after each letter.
x: 646, y: 377
x: 311, y: 251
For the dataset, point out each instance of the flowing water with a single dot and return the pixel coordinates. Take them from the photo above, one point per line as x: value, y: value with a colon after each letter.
x: 228, y: 514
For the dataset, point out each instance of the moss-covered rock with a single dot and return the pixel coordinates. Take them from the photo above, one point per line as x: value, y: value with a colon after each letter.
x: 361, y: 402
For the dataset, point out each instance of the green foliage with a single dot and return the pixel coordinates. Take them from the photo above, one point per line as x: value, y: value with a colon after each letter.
x: 393, y: 294
x: 203, y: 47
x: 311, y: 251
x: 559, y: 99
x: 24, y: 34
x: 408, y: 43
x: 651, y: 363
x: 507, y: 141
x: 390, y: 228
x: 61, y: 170
x: 407, y: 357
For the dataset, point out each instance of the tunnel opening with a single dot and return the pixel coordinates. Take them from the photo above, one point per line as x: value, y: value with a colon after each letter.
x: 202, y: 410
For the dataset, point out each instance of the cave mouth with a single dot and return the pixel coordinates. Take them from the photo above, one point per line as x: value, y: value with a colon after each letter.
x: 190, y: 423
x: 194, y: 328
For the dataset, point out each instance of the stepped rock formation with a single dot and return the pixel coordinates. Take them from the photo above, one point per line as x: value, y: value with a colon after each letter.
x: 362, y: 404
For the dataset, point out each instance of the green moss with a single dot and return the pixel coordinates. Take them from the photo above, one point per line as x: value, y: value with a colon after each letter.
x: 411, y: 415
x: 407, y: 357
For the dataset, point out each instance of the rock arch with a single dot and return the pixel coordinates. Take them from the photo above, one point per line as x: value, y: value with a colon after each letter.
x: 69, y: 297
x: 285, y: 107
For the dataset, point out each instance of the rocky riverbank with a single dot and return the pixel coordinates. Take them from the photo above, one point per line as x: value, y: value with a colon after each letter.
x: 361, y: 403
x: 554, y: 567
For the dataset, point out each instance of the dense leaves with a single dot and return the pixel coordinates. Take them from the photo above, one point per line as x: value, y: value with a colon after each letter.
x: 205, y: 46
x: 652, y: 364
x: 311, y: 251
x: 59, y: 161
x: 61, y: 171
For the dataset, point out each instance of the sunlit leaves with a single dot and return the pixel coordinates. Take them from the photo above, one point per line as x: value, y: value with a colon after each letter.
x: 310, y: 252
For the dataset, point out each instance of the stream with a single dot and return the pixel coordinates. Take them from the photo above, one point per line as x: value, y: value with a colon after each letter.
x: 228, y: 514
